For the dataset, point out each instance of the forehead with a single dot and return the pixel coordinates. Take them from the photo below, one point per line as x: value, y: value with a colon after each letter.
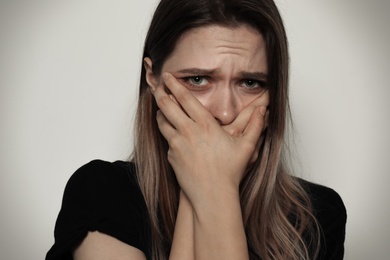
x: 221, y: 32
x: 211, y: 45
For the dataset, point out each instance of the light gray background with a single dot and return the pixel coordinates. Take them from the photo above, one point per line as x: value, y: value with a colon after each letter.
x: 69, y: 73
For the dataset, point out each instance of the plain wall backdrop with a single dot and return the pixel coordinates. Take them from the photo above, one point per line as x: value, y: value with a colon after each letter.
x: 68, y: 84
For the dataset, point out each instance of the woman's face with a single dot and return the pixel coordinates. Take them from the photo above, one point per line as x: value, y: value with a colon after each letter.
x: 225, y: 68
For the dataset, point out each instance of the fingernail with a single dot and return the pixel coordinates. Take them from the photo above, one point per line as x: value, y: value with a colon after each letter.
x: 151, y: 89
x: 173, y: 99
x: 165, y: 75
x: 263, y: 109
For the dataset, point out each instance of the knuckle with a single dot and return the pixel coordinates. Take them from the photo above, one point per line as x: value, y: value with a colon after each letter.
x: 170, y: 156
x: 183, y: 97
x: 249, y: 146
x: 163, y: 101
x: 254, y: 156
x: 235, y: 132
x: 204, y: 124
x: 159, y: 116
x: 174, y: 143
x: 229, y: 131
x: 185, y: 130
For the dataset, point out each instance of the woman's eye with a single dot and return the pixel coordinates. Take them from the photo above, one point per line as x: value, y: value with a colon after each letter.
x: 253, y: 84
x: 197, y: 80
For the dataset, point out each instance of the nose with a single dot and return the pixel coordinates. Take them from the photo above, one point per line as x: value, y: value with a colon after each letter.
x: 224, y: 106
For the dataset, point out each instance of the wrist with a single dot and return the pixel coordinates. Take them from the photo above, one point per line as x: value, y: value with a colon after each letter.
x: 217, y: 204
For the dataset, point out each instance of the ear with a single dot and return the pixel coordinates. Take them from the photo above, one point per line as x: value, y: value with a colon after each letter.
x: 151, y: 79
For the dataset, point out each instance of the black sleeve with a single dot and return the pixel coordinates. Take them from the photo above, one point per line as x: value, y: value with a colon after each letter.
x: 332, y: 217
x: 104, y: 197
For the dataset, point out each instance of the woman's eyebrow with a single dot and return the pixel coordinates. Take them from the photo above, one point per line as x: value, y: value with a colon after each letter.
x: 197, y: 71
x: 254, y: 75
x: 243, y: 74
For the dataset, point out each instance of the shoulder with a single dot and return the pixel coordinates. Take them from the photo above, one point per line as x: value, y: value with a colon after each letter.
x: 98, y: 172
x: 102, y: 184
x: 101, y: 196
x: 325, y: 200
x: 331, y: 214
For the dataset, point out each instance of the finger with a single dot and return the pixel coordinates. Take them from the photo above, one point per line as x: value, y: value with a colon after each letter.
x: 262, y: 100
x: 190, y: 104
x: 255, y: 125
x: 256, y: 153
x: 166, y: 128
x: 172, y: 97
x: 266, y: 120
x: 237, y: 127
x: 172, y: 112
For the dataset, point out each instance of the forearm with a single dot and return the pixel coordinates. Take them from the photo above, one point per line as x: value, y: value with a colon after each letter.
x: 209, y: 162
x: 183, y: 239
x: 219, y: 230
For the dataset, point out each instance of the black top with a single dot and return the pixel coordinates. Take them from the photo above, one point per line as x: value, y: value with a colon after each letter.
x: 105, y: 197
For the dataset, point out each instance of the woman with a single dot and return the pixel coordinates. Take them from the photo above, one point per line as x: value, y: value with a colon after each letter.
x: 207, y: 178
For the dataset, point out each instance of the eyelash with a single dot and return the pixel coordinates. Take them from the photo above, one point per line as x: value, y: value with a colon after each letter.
x: 189, y: 79
x: 259, y: 83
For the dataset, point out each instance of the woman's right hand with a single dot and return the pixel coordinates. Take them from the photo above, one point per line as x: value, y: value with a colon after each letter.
x: 209, y: 162
x: 207, y: 159
x: 237, y: 127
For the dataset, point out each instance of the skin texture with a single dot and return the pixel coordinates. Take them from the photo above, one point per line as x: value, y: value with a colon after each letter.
x: 212, y: 104
x: 227, y: 54
x: 100, y: 246
x: 212, y: 119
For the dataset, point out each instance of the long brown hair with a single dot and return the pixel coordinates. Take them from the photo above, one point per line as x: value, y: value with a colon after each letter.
x: 276, y: 209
